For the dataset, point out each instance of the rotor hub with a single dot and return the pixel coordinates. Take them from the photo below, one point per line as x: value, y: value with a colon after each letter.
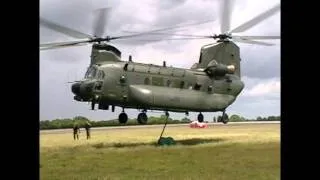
x: 222, y: 36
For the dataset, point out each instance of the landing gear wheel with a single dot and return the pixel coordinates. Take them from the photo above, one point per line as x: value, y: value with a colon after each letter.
x: 225, y: 118
x: 200, y: 117
x: 142, y: 118
x: 123, y: 118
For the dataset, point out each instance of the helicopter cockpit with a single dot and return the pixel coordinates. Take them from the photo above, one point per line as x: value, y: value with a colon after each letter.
x: 90, y: 86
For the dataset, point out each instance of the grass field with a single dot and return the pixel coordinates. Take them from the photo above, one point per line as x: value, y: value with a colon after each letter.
x: 246, y: 151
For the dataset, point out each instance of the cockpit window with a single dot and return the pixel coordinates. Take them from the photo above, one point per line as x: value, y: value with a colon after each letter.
x: 94, y: 72
x: 91, y: 72
x: 100, y: 74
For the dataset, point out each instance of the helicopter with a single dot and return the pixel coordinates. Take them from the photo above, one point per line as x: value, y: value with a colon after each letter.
x: 210, y: 85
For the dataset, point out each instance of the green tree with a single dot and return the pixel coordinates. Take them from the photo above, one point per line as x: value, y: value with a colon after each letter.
x: 259, y: 118
x: 242, y: 119
x: 234, y: 118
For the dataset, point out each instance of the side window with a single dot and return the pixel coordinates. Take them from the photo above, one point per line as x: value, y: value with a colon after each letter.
x: 100, y: 74
x: 91, y: 72
x: 182, y: 84
x: 157, y: 81
x: 168, y: 83
x: 176, y: 83
x: 146, y: 81
x: 197, y: 86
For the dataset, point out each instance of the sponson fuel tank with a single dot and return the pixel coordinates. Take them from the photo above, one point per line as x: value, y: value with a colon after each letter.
x: 175, y: 98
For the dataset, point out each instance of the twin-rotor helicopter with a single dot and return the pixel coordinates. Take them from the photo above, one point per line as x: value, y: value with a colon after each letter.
x: 211, y: 85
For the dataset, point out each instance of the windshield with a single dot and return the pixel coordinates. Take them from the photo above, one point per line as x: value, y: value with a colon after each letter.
x: 100, y: 74
x: 94, y: 72
x: 91, y: 72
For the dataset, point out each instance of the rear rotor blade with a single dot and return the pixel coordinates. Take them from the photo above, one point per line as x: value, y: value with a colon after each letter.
x: 256, y: 37
x: 173, y: 39
x: 249, y: 24
x: 100, y: 21
x: 247, y: 41
x: 225, y: 16
x: 159, y: 30
x: 63, y: 29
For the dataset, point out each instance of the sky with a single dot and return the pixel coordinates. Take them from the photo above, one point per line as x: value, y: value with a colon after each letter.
x: 260, y: 65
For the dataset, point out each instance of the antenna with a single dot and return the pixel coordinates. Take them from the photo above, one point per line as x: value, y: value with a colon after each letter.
x: 130, y: 58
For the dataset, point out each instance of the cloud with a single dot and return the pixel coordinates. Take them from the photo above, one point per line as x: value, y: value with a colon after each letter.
x: 265, y: 88
x: 260, y: 62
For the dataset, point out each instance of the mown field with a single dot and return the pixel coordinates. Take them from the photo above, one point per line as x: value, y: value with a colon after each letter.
x: 242, y: 151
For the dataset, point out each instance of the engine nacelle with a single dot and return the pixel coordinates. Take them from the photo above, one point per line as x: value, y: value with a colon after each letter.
x: 215, y: 69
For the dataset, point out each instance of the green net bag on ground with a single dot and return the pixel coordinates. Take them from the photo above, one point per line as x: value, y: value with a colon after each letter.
x: 166, y: 141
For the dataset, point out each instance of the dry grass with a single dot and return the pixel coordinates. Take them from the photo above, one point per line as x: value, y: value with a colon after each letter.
x: 249, y: 151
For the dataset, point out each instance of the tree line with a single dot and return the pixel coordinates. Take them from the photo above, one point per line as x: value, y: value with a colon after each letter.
x: 68, y: 123
x: 237, y: 118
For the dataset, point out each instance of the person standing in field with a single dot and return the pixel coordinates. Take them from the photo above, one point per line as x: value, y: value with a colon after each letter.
x: 87, y: 126
x: 76, y: 131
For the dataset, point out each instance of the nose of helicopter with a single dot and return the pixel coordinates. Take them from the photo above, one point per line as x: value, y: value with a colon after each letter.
x: 82, y: 90
x: 75, y: 88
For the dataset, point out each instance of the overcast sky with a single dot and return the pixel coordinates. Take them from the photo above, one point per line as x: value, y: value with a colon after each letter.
x: 260, y: 65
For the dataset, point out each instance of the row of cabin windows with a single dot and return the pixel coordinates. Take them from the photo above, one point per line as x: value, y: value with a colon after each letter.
x: 159, y: 82
x: 154, y: 70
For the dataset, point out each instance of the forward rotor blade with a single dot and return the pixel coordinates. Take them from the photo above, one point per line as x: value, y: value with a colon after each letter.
x: 173, y: 34
x: 247, y: 41
x: 257, y: 37
x: 225, y: 15
x: 100, y: 21
x: 71, y: 43
x: 56, y: 45
x: 73, y: 81
x: 174, y: 27
x: 63, y: 29
x: 249, y: 24
x: 151, y: 40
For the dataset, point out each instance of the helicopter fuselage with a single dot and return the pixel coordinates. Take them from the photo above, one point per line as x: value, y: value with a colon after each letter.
x: 152, y: 87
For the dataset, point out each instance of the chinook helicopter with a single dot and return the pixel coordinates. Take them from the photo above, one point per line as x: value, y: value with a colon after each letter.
x: 211, y: 85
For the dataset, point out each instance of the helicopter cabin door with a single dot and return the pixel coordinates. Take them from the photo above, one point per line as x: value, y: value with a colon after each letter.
x: 124, y: 86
